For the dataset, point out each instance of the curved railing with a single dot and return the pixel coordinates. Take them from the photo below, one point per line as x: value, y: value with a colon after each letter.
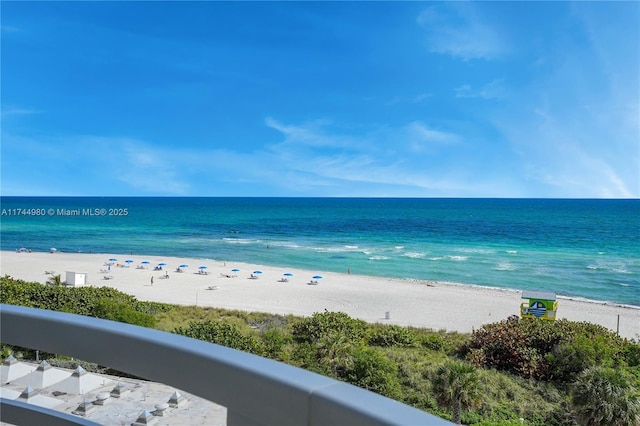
x: 254, y: 390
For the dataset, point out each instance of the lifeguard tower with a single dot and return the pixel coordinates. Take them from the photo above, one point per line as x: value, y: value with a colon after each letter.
x: 542, y: 305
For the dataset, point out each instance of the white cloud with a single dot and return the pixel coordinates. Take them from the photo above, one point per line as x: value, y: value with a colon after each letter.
x: 303, y: 135
x: 421, y: 97
x: 91, y: 165
x: 492, y: 90
x: 410, y: 160
x: 16, y: 111
x: 457, y: 30
x: 10, y: 29
x: 420, y: 137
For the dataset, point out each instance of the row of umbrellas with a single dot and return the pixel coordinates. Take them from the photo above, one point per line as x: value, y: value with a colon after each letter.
x: 146, y: 262
x: 184, y: 265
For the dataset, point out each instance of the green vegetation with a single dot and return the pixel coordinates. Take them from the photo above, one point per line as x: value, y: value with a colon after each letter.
x: 457, y: 385
x: 603, y: 395
x: 545, y: 373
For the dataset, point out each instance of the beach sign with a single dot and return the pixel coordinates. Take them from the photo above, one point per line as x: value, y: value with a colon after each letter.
x: 540, y: 305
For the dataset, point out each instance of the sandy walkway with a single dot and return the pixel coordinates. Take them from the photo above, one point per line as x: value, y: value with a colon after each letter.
x: 433, y: 305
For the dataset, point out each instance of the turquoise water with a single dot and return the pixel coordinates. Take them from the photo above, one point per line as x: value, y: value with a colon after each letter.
x: 579, y: 248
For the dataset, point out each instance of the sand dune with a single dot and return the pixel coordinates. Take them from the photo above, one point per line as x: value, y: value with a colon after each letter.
x: 430, y: 304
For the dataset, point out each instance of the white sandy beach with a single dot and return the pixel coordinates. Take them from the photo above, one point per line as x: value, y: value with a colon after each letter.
x: 429, y: 304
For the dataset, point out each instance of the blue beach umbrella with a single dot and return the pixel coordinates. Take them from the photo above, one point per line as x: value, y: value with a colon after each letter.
x: 202, y: 267
x: 257, y: 272
x: 288, y: 274
x: 235, y: 270
x: 113, y: 259
x: 145, y: 262
x: 317, y: 277
x: 184, y: 265
x: 162, y: 264
x: 128, y: 261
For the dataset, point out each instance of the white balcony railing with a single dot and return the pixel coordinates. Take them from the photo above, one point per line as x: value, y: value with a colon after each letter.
x: 255, y: 390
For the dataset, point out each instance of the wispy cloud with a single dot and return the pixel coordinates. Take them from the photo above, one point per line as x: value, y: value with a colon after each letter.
x: 420, y: 137
x: 16, y: 111
x: 411, y: 160
x: 107, y: 164
x: 458, y: 30
x: 422, y: 97
x: 10, y: 29
x: 492, y: 90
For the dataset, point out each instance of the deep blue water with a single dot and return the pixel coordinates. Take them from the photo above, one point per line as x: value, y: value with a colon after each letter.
x: 581, y: 248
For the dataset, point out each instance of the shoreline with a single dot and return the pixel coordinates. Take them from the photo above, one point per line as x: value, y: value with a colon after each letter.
x: 437, y: 305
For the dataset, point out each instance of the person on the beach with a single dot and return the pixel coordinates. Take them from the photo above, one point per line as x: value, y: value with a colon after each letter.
x: 151, y: 280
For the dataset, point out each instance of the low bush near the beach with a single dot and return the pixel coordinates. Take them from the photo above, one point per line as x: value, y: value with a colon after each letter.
x: 221, y: 333
x: 433, y: 341
x: 632, y: 354
x: 605, y: 396
x: 371, y: 370
x: 277, y: 344
x: 121, y: 312
x: 544, y: 350
x: 318, y: 325
x: 101, y: 302
x: 392, y: 335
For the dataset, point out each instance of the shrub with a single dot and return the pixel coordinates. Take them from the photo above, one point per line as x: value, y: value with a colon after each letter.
x: 103, y: 302
x: 543, y: 349
x: 392, y: 335
x: 632, y: 354
x: 313, y: 328
x: 505, y: 345
x: 569, y: 358
x: 224, y: 334
x: 604, y: 396
x: 433, y: 341
x: 373, y: 371
x: 457, y: 385
x: 276, y: 343
x: 122, y: 312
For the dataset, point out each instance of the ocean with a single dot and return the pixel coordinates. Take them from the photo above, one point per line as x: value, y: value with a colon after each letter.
x: 579, y: 248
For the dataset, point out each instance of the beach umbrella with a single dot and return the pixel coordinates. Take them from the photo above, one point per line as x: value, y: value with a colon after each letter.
x: 202, y: 267
x: 145, y: 262
x: 113, y: 259
x: 162, y: 264
x: 288, y: 274
x: 317, y: 277
x: 184, y: 265
x: 257, y: 272
x: 235, y: 270
x: 128, y: 261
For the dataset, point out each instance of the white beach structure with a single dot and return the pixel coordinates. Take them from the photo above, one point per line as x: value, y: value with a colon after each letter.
x: 76, y: 278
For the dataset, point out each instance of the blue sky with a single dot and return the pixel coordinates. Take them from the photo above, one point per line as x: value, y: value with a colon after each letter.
x: 372, y: 99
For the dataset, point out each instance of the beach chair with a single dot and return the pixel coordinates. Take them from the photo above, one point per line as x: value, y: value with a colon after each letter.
x: 108, y: 277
